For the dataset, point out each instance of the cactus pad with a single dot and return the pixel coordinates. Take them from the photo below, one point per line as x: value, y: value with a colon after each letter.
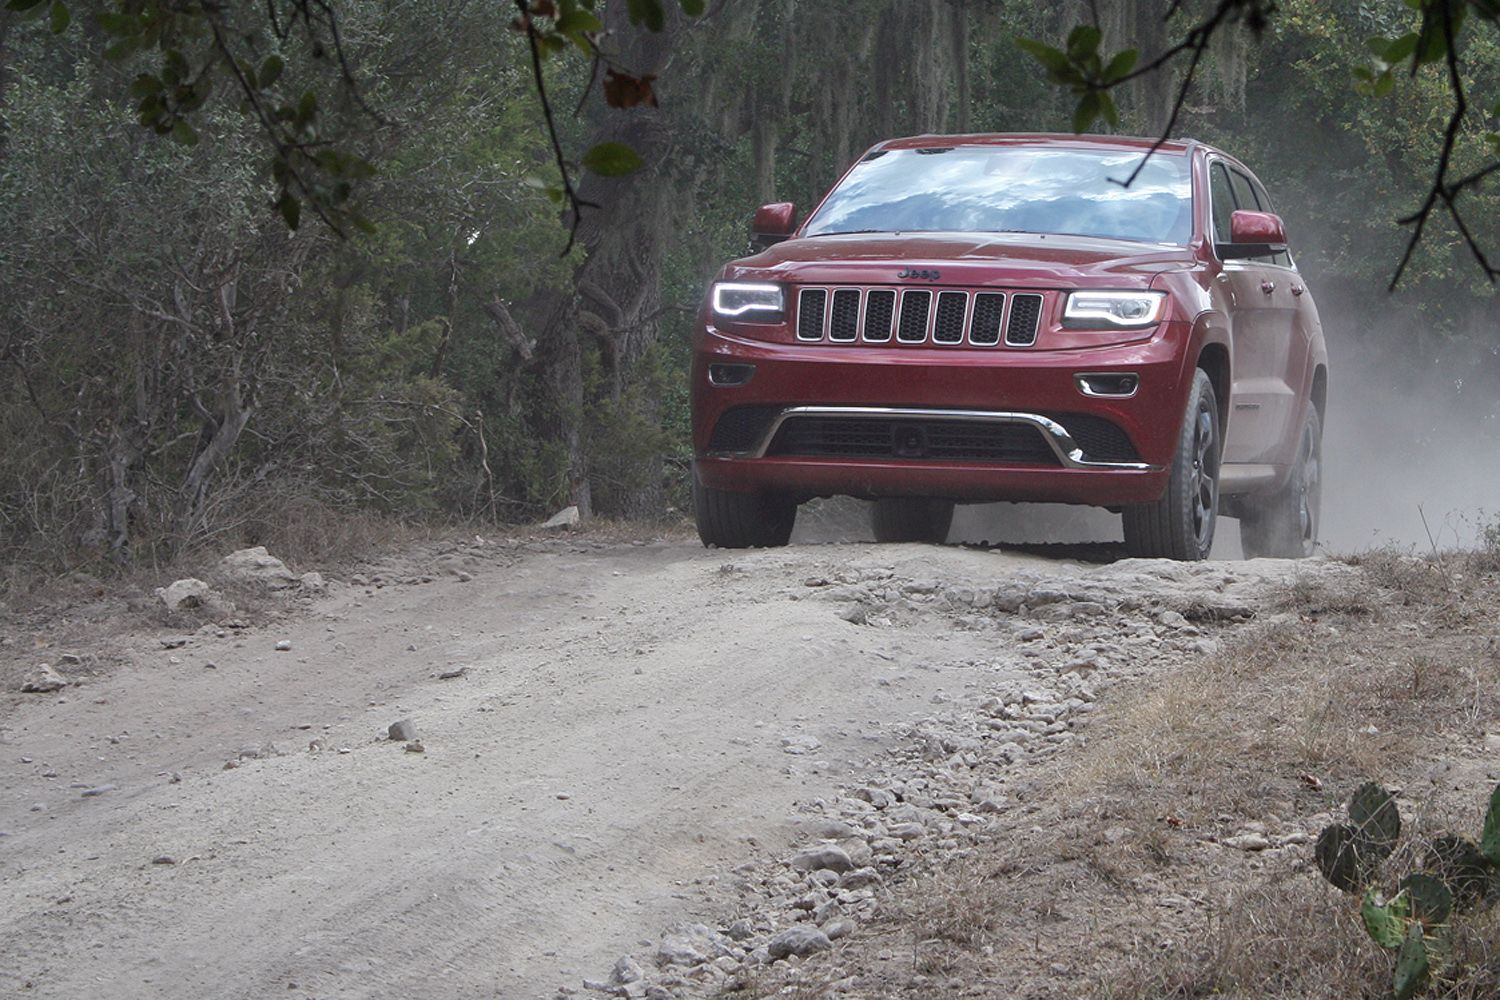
x: 1489, y: 843
x: 1411, y: 964
x: 1462, y: 868
x: 1373, y: 814
x: 1385, y: 922
x: 1431, y: 902
x: 1344, y: 858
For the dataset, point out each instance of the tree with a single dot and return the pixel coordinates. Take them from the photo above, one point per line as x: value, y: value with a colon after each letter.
x: 1434, y: 32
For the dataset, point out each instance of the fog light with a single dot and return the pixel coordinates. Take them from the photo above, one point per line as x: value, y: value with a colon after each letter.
x: 1118, y: 385
x: 730, y: 374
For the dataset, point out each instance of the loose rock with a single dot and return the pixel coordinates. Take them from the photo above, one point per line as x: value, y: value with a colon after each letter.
x: 256, y: 565
x: 403, y: 730
x: 43, y: 679
x: 564, y: 519
x: 828, y: 856
x: 800, y: 940
x: 186, y: 593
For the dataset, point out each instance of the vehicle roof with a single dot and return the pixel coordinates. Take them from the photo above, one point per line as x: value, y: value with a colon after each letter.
x: 1060, y: 140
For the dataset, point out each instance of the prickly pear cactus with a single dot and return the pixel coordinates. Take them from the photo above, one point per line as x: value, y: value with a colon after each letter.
x: 1431, y: 901
x: 1458, y: 863
x: 1386, y: 922
x: 1373, y: 814
x: 1348, y: 854
x: 1338, y: 857
x: 1411, y: 964
x: 1489, y: 841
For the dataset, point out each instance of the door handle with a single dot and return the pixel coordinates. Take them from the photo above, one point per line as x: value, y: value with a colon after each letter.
x: 1268, y: 287
x: 1298, y: 289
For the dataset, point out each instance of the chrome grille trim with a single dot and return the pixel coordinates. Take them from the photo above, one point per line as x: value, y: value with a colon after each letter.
x: 984, y: 304
x: 879, y: 302
x: 812, y: 314
x: 916, y: 306
x: 1067, y: 450
x: 1023, y: 320
x: 936, y: 317
x: 946, y: 329
x: 843, y: 316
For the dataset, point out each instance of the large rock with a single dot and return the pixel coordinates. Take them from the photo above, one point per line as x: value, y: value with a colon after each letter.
x: 690, y: 945
x: 801, y: 940
x: 43, y: 680
x: 568, y: 517
x: 186, y: 593
x: 829, y: 856
x: 258, y: 566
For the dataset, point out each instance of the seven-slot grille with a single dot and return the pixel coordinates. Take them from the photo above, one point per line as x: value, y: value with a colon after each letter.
x: 918, y: 316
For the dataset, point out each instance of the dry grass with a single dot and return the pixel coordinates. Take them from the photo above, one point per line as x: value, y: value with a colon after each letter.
x: 1113, y: 879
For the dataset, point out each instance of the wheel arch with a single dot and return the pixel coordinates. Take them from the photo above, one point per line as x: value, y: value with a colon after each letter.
x: 1320, y: 393
x: 1213, y: 358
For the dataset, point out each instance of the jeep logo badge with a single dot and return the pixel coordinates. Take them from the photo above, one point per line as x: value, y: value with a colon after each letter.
x: 918, y: 273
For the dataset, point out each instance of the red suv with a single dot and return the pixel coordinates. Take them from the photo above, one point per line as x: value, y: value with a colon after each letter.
x: 1002, y: 317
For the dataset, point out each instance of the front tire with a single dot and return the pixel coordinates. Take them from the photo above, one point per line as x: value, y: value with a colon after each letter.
x: 1285, y: 524
x: 742, y: 520
x: 911, y: 519
x: 1181, y: 524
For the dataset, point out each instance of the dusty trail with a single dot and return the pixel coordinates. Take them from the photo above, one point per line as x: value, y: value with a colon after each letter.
x: 615, y: 742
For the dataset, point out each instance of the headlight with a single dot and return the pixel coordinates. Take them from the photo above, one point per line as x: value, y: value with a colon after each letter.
x: 749, y: 302
x: 1093, y: 310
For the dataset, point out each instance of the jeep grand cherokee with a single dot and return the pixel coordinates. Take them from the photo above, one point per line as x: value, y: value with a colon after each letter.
x: 975, y: 318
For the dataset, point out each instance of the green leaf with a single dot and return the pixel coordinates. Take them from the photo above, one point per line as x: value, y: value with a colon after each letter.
x: 307, y: 109
x: 612, y: 159
x: 290, y: 208
x: 1054, y: 59
x: 145, y: 85
x: 1401, y: 48
x: 1083, y: 39
x: 578, y: 22
x: 1386, y: 924
x: 1432, y: 46
x: 23, y: 4
x: 647, y: 12
x: 692, y: 8
x: 1108, y: 110
x: 60, y: 17
x: 270, y: 71
x: 1411, y: 965
x: 184, y: 133
x: 1383, y: 84
x: 1088, y: 110
x: 1489, y: 840
x: 1123, y: 62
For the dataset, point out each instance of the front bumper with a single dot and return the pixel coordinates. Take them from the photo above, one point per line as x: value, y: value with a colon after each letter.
x: 1016, y: 387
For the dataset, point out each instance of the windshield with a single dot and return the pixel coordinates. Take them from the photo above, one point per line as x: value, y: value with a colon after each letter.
x: 997, y: 189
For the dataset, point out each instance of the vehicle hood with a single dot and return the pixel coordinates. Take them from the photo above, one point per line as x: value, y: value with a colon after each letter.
x: 1018, y: 259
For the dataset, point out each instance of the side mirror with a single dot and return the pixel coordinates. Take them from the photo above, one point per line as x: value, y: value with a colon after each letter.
x: 772, y: 224
x: 1253, y: 234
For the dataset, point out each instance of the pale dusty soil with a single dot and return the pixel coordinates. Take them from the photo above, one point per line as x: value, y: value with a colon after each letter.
x: 613, y: 746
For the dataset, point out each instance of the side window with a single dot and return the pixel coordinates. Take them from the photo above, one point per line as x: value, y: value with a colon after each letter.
x: 1244, y: 197
x: 1221, y: 200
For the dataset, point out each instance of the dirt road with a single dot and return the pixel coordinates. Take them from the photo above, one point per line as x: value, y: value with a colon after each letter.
x: 631, y: 723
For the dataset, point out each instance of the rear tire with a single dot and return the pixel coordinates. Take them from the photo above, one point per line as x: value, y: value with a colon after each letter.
x: 742, y: 520
x: 911, y: 519
x: 1285, y: 524
x: 1181, y: 524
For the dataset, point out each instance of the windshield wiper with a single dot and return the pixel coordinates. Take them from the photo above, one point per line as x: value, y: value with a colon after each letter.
x: 851, y: 232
